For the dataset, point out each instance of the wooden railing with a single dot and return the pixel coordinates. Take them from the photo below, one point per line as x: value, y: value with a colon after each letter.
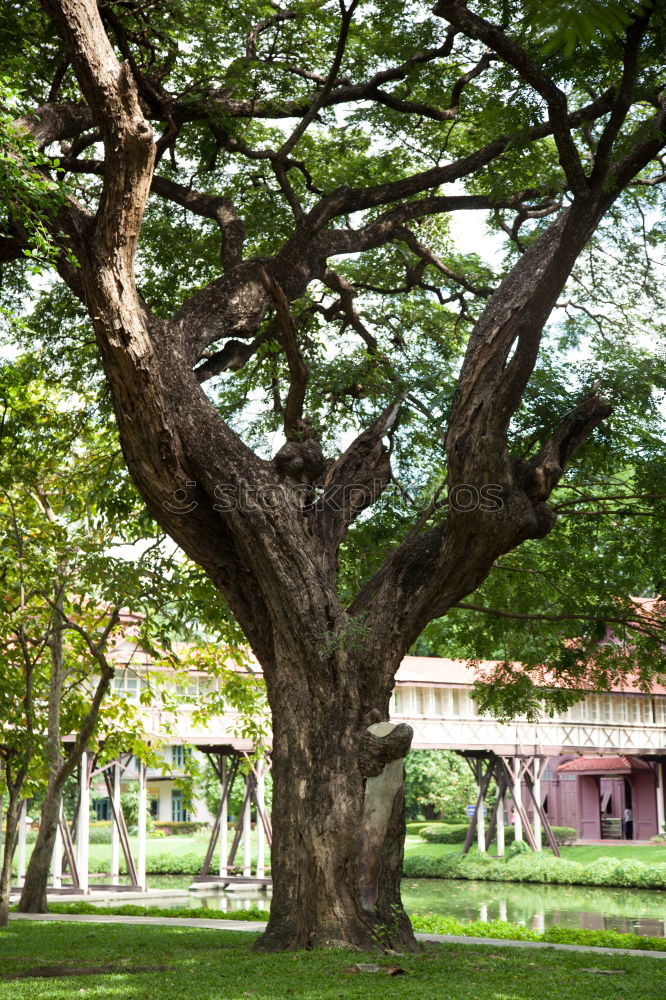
x: 549, y: 736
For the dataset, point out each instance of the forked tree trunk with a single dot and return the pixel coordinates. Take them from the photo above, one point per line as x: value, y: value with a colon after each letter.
x: 318, y: 794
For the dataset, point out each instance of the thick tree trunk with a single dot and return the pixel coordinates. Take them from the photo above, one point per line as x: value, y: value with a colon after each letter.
x: 318, y: 796
x: 12, y: 818
x: 33, y: 894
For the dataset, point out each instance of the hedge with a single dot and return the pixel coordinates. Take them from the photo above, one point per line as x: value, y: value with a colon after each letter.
x: 445, y: 833
x: 132, y: 910
x: 527, y: 866
x: 416, y: 826
x: 159, y: 864
x: 170, y: 827
x: 165, y: 864
x: 455, y: 833
x: 563, y: 835
x: 431, y: 923
x: 99, y: 833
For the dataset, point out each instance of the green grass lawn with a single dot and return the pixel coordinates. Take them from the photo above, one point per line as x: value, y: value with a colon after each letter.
x: 414, y: 845
x: 647, y: 854
x: 190, y: 846
x: 163, y: 963
x: 177, y: 846
x: 172, y: 846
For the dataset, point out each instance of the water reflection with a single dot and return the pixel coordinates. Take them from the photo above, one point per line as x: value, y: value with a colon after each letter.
x: 636, y: 911
x: 173, y: 891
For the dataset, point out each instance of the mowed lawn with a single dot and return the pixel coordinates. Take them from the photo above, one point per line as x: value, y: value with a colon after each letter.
x: 175, y: 846
x: 194, y: 848
x: 415, y: 845
x: 59, y: 961
x: 648, y: 854
x: 191, y: 846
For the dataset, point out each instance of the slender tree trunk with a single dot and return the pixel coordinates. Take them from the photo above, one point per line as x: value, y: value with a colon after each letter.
x: 33, y: 894
x: 12, y: 818
x: 318, y: 796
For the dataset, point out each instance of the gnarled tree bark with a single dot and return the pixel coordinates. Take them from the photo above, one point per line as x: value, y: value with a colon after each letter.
x: 276, y: 563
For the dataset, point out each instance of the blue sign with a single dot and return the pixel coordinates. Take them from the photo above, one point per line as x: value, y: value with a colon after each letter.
x: 472, y: 809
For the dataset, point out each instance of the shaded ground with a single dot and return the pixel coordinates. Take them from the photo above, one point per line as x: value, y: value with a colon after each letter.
x: 215, y: 965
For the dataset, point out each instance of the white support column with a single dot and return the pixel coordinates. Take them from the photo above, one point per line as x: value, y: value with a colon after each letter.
x: 22, y: 841
x: 56, y: 859
x: 537, y: 801
x: 660, y: 798
x: 247, y: 834
x: 224, y: 821
x: 141, y: 824
x: 483, y: 912
x: 115, y: 835
x: 83, y: 824
x: 480, y: 818
x: 261, y: 834
x: 500, y: 822
x: 502, y: 909
x: 517, y: 800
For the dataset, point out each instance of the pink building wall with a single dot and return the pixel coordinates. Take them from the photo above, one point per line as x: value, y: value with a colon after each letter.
x: 575, y: 800
x: 589, y: 826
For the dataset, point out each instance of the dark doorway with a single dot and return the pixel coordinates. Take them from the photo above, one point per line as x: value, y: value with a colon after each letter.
x: 628, y: 824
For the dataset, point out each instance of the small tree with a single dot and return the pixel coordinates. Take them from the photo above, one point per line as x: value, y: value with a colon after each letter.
x: 438, y: 785
x: 61, y: 593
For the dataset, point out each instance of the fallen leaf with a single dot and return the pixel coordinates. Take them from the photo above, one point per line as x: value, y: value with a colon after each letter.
x: 395, y: 970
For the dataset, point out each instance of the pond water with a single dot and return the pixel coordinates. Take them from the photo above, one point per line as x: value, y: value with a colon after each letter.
x: 638, y: 911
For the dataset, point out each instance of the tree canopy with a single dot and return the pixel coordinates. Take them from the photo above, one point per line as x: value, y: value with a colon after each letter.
x: 349, y: 419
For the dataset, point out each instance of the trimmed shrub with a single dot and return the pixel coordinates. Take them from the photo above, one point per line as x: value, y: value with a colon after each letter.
x: 454, y: 833
x: 169, y: 827
x: 416, y: 826
x: 518, y: 847
x: 563, y: 835
x: 100, y: 834
x: 253, y: 912
x: 165, y: 864
x: 444, y: 833
x: 523, y: 865
x: 435, y: 924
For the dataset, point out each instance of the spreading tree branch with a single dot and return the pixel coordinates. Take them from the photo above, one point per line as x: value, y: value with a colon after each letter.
x: 475, y: 26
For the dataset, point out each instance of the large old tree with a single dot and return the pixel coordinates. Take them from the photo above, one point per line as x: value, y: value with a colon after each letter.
x: 296, y: 169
